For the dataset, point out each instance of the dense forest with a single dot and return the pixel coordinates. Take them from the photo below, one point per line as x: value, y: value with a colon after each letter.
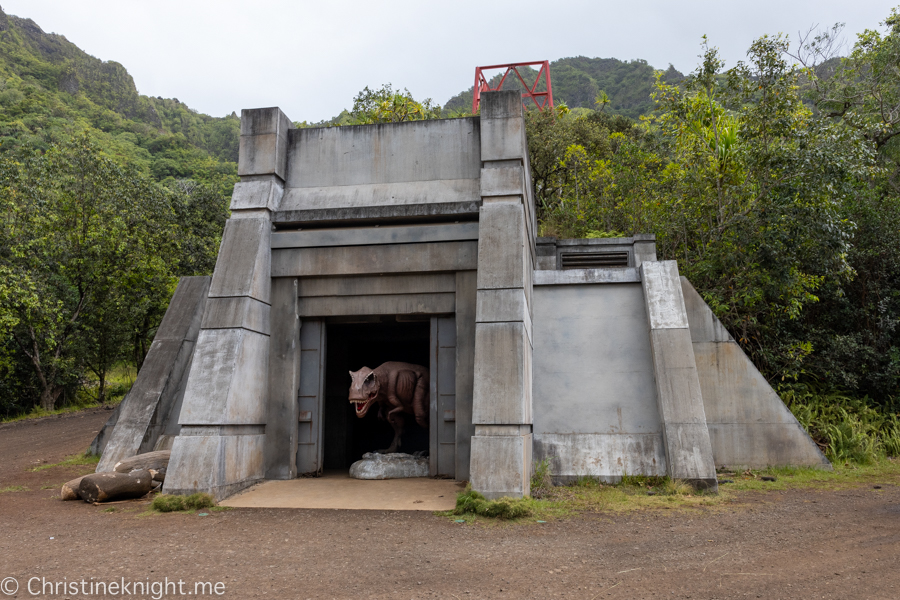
x: 775, y: 184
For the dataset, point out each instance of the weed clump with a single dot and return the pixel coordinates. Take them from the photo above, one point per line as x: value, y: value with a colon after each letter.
x: 471, y: 502
x: 172, y: 503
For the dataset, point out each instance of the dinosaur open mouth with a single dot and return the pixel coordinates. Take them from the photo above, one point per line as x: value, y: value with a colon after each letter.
x: 360, y: 406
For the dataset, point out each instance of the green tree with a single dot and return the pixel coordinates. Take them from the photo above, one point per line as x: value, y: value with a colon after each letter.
x: 387, y: 105
x: 82, y: 243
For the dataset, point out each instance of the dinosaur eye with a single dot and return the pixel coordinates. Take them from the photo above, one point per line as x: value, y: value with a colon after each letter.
x: 370, y: 376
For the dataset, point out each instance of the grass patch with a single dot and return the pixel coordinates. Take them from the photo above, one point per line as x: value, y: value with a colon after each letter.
x: 471, y: 502
x: 173, y: 503
x: 13, y: 488
x: 636, y: 493
x: 76, y: 460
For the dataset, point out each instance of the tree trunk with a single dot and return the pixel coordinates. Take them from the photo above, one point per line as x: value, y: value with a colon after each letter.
x: 49, y: 396
x: 158, y: 460
x: 70, y: 489
x: 102, y: 487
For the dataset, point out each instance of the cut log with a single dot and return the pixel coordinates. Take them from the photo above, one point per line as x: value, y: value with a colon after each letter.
x: 158, y: 475
x: 102, y: 487
x: 70, y: 489
x: 149, y: 460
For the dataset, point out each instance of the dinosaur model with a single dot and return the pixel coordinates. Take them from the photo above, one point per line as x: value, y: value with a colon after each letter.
x: 396, y: 387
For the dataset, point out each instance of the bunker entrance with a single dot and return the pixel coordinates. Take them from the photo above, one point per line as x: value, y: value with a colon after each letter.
x: 350, y: 347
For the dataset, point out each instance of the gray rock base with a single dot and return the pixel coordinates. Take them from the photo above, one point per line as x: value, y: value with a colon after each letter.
x: 389, y: 466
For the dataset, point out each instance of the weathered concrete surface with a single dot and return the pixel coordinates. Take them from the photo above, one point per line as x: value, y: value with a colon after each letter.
x: 396, y: 465
x: 227, y: 383
x: 380, y: 194
x: 419, y: 151
x: 465, y: 370
x: 367, y: 215
x: 503, y: 374
x: 606, y: 456
x: 365, y: 236
x: 749, y: 425
x: 688, y: 448
x: 369, y: 260
x: 263, y: 142
x: 394, y: 304
x: 339, y: 491
x: 214, y: 463
x: 243, y: 264
x: 375, y: 285
x: 257, y: 194
x: 500, y: 462
x: 593, y: 367
x: 587, y: 276
x: 144, y: 414
x: 284, y: 382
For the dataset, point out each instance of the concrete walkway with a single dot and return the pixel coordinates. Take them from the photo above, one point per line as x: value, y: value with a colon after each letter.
x: 338, y: 490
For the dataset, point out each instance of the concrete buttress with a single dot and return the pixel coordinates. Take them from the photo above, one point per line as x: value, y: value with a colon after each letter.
x: 221, y: 446
x: 500, y: 463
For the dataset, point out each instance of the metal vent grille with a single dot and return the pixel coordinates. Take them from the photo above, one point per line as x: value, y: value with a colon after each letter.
x: 594, y: 260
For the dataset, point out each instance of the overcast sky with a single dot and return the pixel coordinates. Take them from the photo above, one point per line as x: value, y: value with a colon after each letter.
x: 310, y: 58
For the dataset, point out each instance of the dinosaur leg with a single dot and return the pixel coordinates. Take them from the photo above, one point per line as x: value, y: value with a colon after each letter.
x: 395, y: 418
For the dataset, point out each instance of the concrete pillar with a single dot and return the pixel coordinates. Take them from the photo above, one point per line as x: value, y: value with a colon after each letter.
x: 221, y: 446
x: 501, y: 413
x: 688, y: 449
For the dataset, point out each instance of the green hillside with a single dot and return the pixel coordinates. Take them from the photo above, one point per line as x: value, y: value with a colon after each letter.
x: 50, y: 90
x: 577, y: 82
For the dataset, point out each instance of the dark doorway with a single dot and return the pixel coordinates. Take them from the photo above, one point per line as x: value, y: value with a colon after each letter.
x: 350, y: 347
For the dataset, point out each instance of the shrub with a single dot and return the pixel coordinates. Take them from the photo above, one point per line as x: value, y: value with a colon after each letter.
x: 167, y: 503
x: 471, y: 502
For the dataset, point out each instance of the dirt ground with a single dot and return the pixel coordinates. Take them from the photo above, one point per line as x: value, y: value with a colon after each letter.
x: 795, y: 544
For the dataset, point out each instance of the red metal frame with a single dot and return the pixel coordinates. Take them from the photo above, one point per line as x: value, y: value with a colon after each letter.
x: 482, y: 85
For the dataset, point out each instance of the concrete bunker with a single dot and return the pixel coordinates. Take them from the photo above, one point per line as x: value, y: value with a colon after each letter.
x: 591, y: 354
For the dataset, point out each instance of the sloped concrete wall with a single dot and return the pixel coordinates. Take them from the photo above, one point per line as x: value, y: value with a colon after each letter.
x: 749, y: 425
x: 154, y: 399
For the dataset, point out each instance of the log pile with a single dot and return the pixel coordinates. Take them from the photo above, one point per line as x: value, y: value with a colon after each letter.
x: 132, y: 478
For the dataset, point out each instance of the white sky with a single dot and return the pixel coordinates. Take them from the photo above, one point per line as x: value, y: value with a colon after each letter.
x: 310, y: 58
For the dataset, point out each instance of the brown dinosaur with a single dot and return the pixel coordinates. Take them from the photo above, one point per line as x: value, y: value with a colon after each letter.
x: 397, y: 387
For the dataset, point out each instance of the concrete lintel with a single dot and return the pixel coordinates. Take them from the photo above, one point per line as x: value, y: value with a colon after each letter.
x: 367, y: 215
x: 375, y: 195
x: 387, y: 304
x: 237, y: 312
x: 372, y: 260
x: 586, y: 276
x: 376, y: 285
x: 365, y: 236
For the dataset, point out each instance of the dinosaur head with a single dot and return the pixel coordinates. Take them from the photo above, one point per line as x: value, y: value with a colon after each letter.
x: 363, y: 390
